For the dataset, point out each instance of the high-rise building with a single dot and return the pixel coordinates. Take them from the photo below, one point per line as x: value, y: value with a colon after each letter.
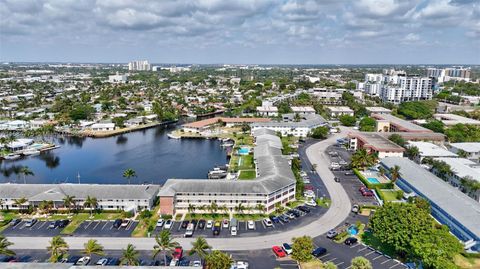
x: 139, y: 66
x: 451, y: 73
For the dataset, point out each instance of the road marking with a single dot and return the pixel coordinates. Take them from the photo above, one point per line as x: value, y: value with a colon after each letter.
x: 385, y: 261
x: 348, y: 267
x: 362, y: 249
x: 337, y: 264
x: 354, y: 246
x: 129, y: 225
x: 105, y: 225
x: 95, y: 227
x: 376, y: 258
x: 331, y: 259
x: 321, y: 257
x: 43, y: 223
x: 394, y: 265
x: 369, y: 253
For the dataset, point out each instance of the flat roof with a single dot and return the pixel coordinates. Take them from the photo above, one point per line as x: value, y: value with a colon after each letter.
x: 302, y: 109
x: 463, y: 167
x: 401, y: 123
x: 452, y: 119
x: 210, y: 121
x: 471, y: 147
x: 431, y: 150
x: 308, y: 121
x: 455, y: 203
x: 380, y: 109
x: 376, y: 141
x: 417, y: 136
x: 339, y: 109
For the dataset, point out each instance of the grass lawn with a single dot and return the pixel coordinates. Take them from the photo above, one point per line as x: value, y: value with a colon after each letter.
x: 295, y: 203
x: 369, y: 239
x: 247, y: 174
x: 6, y: 217
x: 190, y: 216
x: 142, y: 228
x: 466, y: 263
x: 389, y: 195
x: 81, y: 217
x: 245, y: 217
x: 313, y: 264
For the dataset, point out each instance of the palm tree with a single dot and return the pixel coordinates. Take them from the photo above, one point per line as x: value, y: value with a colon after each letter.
x: 58, y: 247
x: 129, y: 256
x: 394, y: 173
x: 225, y: 209
x: 240, y: 208
x: 164, y: 244
x: 90, y: 202
x: 20, y: 202
x: 260, y: 207
x: 191, y: 208
x: 413, y: 152
x: 129, y: 173
x: 217, y: 260
x: 381, y: 171
x: 4, y: 244
x: 92, y: 247
x: 45, y: 206
x: 69, y: 202
x: 213, y: 207
x: 360, y: 159
x: 25, y: 171
x: 462, y: 153
x: 200, y: 247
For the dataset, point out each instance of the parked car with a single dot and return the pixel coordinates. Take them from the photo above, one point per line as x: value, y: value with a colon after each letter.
x: 278, y: 251
x: 14, y: 222
x: 53, y: 224
x: 63, y: 223
x: 355, y: 208
x: 30, y: 222
x: 177, y: 253
x: 349, y: 173
x: 351, y: 241
x: 194, y: 222
x: 83, y: 261
x: 113, y: 262
x: 233, y: 231
x: 209, y: 224
x: 267, y: 222
x: 201, y: 224
x: 290, y: 215
x: 197, y: 263
x: 102, y: 262
x: 251, y: 225
x: 117, y: 223
x: 185, y: 224
x: 311, y: 202
x: 274, y: 219
x: 160, y: 222
x: 304, y: 209
x: 190, y: 230
x: 287, y: 248
x: 216, y: 228
x: 240, y: 265
x: 283, y: 218
x: 71, y: 259
x: 125, y: 223
x: 368, y: 193
x: 331, y: 234
x: 319, y: 252
x: 308, y: 187
x: 337, y: 179
x: 225, y: 224
x: 168, y: 224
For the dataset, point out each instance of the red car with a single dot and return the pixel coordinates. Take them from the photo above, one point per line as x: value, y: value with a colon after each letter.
x: 177, y: 254
x: 308, y: 187
x: 279, y: 252
x: 363, y: 189
x: 367, y: 193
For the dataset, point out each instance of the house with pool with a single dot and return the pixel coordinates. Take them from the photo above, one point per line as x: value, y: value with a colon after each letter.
x: 274, y: 183
x: 449, y: 205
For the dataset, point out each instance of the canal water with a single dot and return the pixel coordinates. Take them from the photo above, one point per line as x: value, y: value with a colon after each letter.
x: 152, y: 155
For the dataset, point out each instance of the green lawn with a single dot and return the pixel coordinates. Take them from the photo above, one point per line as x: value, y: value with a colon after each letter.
x: 142, y: 228
x: 6, y: 217
x: 217, y: 216
x: 246, y: 162
x: 245, y: 217
x: 77, y: 219
x: 389, y: 195
x: 247, y: 174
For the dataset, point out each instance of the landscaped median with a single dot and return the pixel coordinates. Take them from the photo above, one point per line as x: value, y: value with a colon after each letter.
x: 77, y: 219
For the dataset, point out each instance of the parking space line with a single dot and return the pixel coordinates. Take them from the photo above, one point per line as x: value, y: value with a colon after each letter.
x: 354, y: 246
x: 369, y: 253
x: 89, y: 222
x: 385, y: 261
x: 95, y: 227
x: 340, y: 263
x: 394, y: 266
x: 377, y: 257
x: 107, y: 222
x: 331, y: 259
x: 129, y: 225
x: 43, y: 223
x: 362, y: 249
x: 321, y: 257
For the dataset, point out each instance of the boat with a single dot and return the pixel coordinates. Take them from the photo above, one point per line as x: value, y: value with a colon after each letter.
x: 217, y: 173
x: 31, y: 152
x: 227, y: 144
x: 12, y: 156
x: 173, y: 136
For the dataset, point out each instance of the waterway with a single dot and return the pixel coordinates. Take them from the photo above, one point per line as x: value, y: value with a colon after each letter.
x: 152, y: 155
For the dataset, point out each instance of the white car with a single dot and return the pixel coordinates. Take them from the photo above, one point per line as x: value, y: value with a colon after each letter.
x: 197, y: 264
x: 233, y: 230
x: 168, y: 224
x: 309, y: 195
x: 303, y: 174
x: 160, y: 222
x: 251, y: 225
x: 241, y: 265
x: 209, y: 224
x: 83, y: 261
x: 102, y: 262
x: 267, y: 222
x: 225, y: 224
x: 125, y: 223
x: 311, y: 203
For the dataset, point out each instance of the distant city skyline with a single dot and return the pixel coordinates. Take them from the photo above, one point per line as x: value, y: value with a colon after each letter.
x: 241, y: 32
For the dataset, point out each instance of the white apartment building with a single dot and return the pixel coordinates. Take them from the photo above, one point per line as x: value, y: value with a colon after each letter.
x: 337, y: 111
x: 463, y: 168
x: 289, y: 126
x: 452, y: 73
x: 117, y: 78
x: 139, y: 66
x: 471, y: 149
x: 267, y: 109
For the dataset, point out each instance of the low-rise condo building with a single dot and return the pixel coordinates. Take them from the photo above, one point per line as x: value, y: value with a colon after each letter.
x: 374, y: 143
x: 337, y: 111
x: 470, y: 149
x: 390, y: 123
x: 452, y: 119
x: 290, y: 126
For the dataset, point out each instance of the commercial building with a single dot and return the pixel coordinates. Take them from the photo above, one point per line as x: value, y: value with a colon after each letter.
x: 374, y: 143
x: 448, y: 205
x: 275, y: 183
x: 430, y: 150
x: 337, y: 111
x: 325, y: 95
x: 463, y: 169
x: 289, y: 125
x: 117, y: 78
x: 470, y: 149
x: 109, y: 197
x: 139, y: 66
x: 390, y: 123
x: 452, y: 119
x: 446, y: 74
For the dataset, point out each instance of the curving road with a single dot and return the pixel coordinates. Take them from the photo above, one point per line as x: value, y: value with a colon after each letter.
x: 336, y: 214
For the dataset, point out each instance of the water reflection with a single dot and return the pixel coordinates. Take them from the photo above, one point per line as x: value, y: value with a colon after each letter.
x: 121, y: 139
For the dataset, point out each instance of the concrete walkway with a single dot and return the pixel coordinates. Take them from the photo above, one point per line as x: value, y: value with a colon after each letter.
x: 336, y: 215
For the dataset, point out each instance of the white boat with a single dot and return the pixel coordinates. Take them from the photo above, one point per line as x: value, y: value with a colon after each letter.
x: 227, y: 144
x: 173, y: 136
x: 12, y: 156
x: 31, y: 152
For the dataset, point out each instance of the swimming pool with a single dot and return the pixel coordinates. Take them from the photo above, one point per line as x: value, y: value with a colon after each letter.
x: 243, y: 151
x: 352, y: 230
x: 373, y: 180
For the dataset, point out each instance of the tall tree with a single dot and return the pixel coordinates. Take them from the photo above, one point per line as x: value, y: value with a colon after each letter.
x: 200, y: 247
x: 91, y: 203
x: 302, y: 248
x: 69, y: 202
x: 25, y: 171
x: 164, y: 244
x: 129, y: 173
x: 394, y: 173
x: 4, y: 244
x: 92, y: 247
x: 20, y: 202
x: 129, y: 256
x: 58, y: 247
x: 218, y: 260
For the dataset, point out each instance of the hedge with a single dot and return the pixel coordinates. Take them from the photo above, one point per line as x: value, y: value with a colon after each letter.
x: 370, y: 185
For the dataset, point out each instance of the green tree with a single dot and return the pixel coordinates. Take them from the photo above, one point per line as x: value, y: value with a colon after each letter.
x: 435, y: 125
x: 92, y: 247
x: 200, y: 247
x: 398, y: 139
x: 320, y: 132
x: 81, y: 112
x: 367, y: 124
x: 417, y: 109
x: 164, y: 244
x: 329, y: 265
x: 69, y: 202
x: 347, y: 120
x: 412, y: 152
x: 302, y: 248
x: 25, y: 171
x: 4, y: 244
x: 361, y: 263
x: 91, y: 203
x: 57, y: 249
x: 129, y: 173
x: 394, y: 173
x: 463, y: 133
x: 361, y: 159
x: 218, y: 260
x: 129, y: 256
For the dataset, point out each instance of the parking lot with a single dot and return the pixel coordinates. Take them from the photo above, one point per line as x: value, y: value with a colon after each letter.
x: 40, y: 228
x: 104, y: 228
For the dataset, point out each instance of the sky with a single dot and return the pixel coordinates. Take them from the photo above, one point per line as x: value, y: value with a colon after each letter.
x: 241, y: 31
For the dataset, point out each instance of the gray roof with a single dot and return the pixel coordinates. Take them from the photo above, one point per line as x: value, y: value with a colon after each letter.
x: 56, y: 192
x: 308, y: 120
x: 412, y: 127
x: 259, y: 132
x: 455, y: 203
x: 274, y: 173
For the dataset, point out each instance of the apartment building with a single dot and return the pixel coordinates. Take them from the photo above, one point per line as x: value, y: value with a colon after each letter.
x: 142, y: 65
x: 374, y: 143
x: 452, y: 73
x: 290, y: 126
